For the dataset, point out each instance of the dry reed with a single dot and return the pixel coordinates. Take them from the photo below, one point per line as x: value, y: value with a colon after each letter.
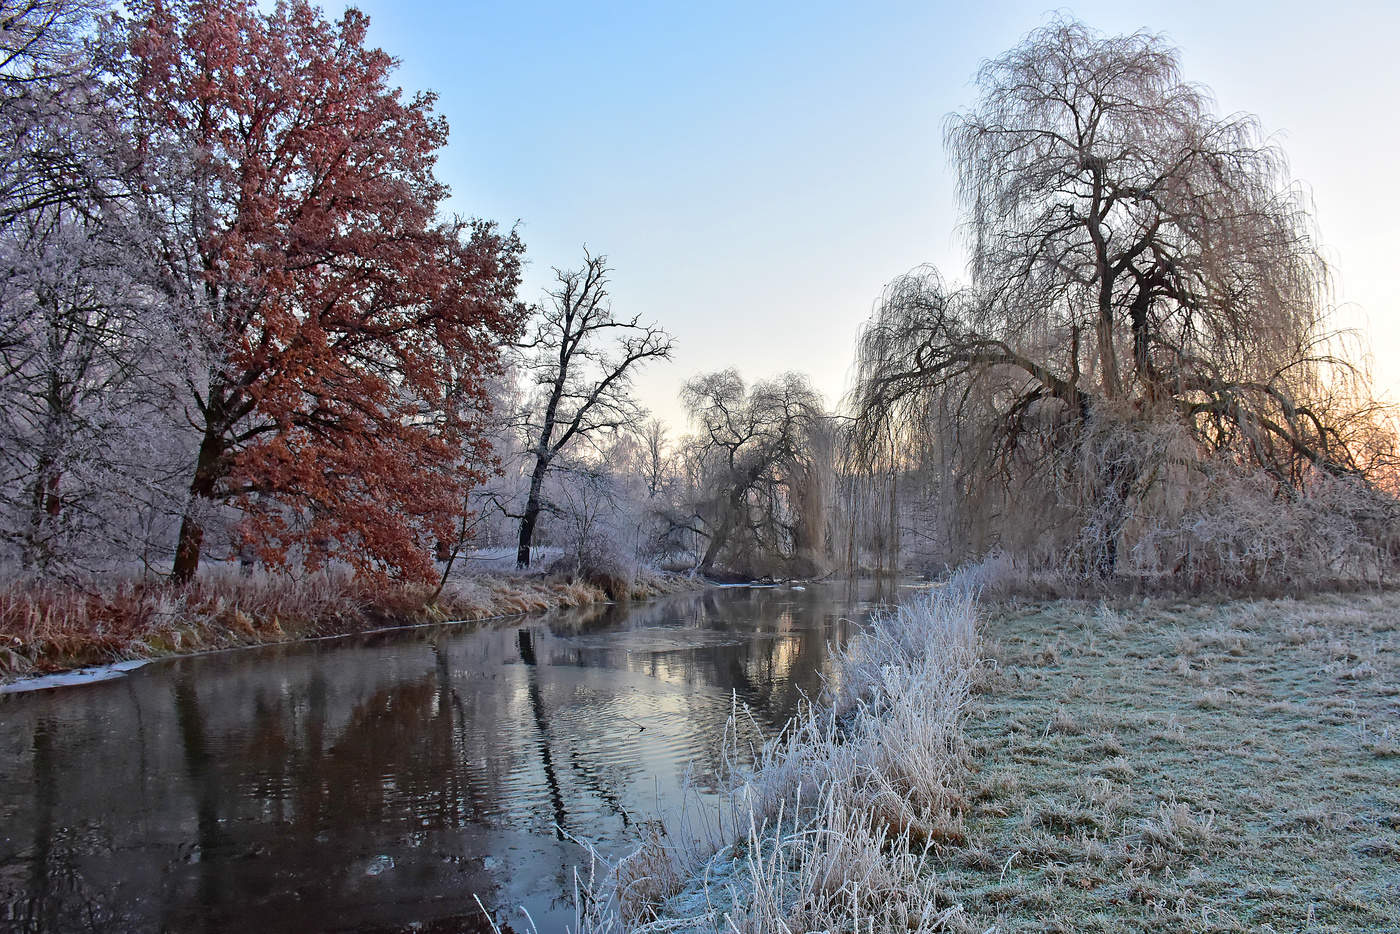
x: 836, y: 824
x: 59, y: 625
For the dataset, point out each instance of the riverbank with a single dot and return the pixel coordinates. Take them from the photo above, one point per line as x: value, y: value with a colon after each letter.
x: 1185, y: 766
x: 831, y: 825
x: 47, y: 628
x: 1155, y: 766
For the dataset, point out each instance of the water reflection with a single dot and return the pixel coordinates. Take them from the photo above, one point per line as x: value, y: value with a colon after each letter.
x: 377, y: 783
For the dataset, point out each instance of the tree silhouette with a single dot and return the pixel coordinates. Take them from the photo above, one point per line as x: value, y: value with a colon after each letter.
x: 582, y: 360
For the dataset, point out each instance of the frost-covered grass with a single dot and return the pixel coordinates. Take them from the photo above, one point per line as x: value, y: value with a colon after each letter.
x: 54, y: 626
x: 1184, y: 766
x: 1118, y: 767
x: 837, y: 824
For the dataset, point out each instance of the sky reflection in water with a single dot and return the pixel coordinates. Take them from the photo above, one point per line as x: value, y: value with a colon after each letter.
x: 377, y: 782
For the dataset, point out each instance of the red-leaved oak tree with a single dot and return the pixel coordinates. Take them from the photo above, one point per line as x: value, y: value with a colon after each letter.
x: 344, y: 333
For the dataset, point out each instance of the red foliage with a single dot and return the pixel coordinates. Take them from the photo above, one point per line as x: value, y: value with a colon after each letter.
x: 350, y: 330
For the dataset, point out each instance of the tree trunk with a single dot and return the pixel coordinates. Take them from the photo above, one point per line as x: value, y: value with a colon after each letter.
x: 1115, y: 474
x: 726, y: 525
x: 894, y: 522
x: 531, y: 516
x: 1108, y: 357
x: 45, y: 504
x: 851, y: 550
x: 191, y: 540
x: 45, y: 507
x: 717, y: 541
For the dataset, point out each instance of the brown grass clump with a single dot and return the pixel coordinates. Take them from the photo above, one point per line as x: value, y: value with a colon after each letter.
x: 648, y: 876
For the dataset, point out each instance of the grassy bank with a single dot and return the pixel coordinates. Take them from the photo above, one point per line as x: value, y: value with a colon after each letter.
x: 48, y: 627
x: 1147, y: 766
x: 1185, y: 767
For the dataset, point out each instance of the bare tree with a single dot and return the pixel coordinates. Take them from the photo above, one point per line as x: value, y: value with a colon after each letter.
x: 1133, y: 256
x: 586, y: 503
x: 655, y: 462
x: 758, y: 453
x: 85, y: 435
x: 41, y: 40
x: 58, y: 142
x: 52, y: 103
x: 583, y: 358
x: 80, y: 397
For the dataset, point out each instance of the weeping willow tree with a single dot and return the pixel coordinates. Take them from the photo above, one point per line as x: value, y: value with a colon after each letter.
x: 762, y: 460
x: 1147, y: 295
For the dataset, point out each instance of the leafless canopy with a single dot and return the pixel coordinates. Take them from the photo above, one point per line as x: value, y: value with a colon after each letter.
x: 581, y: 358
x: 55, y: 142
x: 1146, y: 288
x: 1129, y: 248
x: 758, y: 462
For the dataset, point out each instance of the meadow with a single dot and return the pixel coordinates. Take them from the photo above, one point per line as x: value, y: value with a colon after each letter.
x: 1185, y: 766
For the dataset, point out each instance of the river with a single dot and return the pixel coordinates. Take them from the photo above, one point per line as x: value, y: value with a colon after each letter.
x: 382, y: 782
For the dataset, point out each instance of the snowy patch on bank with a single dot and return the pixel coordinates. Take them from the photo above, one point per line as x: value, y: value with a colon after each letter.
x: 75, y: 678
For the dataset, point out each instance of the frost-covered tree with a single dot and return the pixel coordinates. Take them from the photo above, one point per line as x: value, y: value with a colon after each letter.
x: 83, y: 441
x: 52, y: 53
x: 760, y: 466
x: 1136, y: 258
x: 655, y: 465
x: 82, y: 392
x: 54, y: 148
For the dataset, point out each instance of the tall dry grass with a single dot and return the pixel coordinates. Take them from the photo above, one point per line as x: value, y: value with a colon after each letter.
x: 836, y: 823
x: 48, y: 626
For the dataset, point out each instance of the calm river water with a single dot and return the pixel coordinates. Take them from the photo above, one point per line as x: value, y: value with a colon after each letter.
x: 377, y: 783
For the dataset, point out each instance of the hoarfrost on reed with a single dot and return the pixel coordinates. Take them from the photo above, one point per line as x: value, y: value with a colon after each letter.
x: 835, y: 825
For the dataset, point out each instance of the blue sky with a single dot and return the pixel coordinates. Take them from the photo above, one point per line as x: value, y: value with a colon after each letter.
x: 757, y: 172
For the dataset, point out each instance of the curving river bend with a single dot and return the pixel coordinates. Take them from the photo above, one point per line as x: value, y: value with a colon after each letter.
x: 377, y: 783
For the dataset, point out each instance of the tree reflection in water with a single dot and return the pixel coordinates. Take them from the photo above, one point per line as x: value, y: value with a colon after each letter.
x: 378, y: 782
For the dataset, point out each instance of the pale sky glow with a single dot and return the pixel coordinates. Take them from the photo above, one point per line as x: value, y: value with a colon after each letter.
x: 757, y: 172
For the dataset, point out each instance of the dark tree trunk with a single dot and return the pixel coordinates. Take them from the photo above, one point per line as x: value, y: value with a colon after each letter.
x: 1113, y: 487
x: 717, y: 542
x: 531, y: 515
x: 45, y: 505
x: 726, y: 526
x: 206, y: 478
x: 893, y: 538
